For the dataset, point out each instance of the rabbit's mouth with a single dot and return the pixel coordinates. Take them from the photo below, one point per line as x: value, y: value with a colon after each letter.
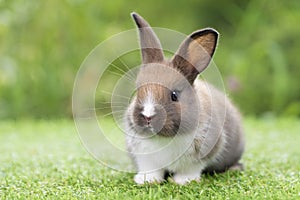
x: 164, y: 131
x: 149, y: 129
x: 158, y: 126
x: 152, y: 125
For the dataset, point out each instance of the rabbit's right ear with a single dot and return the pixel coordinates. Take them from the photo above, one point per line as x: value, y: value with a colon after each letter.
x: 195, y: 53
x: 150, y: 44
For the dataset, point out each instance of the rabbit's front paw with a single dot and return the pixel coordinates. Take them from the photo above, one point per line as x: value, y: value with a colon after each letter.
x: 183, y: 179
x: 154, y: 177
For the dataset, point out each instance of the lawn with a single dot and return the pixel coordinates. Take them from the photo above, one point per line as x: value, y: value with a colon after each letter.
x: 45, y: 160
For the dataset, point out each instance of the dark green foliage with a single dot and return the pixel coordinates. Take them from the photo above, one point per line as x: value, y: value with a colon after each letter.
x: 43, y: 44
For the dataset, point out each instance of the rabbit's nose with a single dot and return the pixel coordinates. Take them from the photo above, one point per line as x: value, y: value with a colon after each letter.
x: 148, y: 119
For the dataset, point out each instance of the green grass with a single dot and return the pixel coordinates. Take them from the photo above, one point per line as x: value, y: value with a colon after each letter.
x: 45, y: 160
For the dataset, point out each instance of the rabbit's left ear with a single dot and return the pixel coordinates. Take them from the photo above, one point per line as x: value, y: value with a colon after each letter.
x: 195, y: 53
x: 150, y: 44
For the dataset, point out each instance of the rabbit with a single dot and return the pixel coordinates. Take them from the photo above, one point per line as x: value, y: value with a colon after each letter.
x: 176, y: 123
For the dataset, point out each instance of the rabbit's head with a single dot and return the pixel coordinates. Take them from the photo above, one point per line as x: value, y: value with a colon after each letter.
x: 166, y: 102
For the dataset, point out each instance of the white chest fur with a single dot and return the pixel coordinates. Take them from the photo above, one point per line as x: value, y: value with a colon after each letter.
x: 157, y: 152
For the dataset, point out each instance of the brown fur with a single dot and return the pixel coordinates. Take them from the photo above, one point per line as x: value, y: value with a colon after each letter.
x: 168, y: 112
x: 150, y: 45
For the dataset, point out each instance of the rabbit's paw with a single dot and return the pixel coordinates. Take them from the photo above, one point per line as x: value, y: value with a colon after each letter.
x: 142, y: 178
x: 183, y: 179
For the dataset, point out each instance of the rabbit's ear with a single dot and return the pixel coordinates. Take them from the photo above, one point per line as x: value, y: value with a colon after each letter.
x: 150, y: 44
x: 195, y: 52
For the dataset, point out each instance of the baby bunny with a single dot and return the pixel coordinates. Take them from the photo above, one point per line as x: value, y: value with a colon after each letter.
x: 177, y: 124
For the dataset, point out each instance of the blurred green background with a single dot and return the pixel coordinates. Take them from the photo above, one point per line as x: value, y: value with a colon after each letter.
x: 43, y: 43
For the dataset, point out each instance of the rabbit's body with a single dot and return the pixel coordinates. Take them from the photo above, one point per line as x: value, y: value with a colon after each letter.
x: 183, y: 154
x: 177, y: 123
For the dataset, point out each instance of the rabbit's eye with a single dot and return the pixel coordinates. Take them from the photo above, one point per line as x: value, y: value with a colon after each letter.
x: 174, y: 96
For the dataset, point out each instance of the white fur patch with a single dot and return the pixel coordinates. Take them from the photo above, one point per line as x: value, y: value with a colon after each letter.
x: 155, y: 177
x: 148, y: 105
